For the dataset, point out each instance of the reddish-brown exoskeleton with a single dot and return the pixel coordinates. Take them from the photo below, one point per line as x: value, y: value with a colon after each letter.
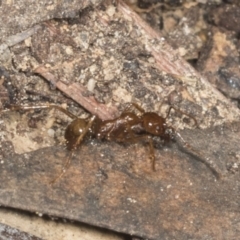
x: 128, y: 127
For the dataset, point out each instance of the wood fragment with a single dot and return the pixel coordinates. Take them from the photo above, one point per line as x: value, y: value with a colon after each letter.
x: 79, y: 94
x: 169, y: 61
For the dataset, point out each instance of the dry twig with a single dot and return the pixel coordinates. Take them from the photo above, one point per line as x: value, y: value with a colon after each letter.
x: 79, y: 94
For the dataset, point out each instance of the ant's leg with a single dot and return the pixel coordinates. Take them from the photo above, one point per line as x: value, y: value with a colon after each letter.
x: 178, y: 110
x: 134, y: 105
x: 150, y: 142
x: 45, y: 106
x: 147, y: 138
x: 64, y: 168
x: 151, y: 153
x: 85, y: 131
x: 78, y: 142
x: 151, y: 150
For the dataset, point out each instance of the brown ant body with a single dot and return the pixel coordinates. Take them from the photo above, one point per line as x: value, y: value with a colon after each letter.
x: 128, y: 127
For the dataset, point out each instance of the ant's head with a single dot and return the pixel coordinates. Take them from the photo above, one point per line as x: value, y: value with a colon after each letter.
x: 154, y: 124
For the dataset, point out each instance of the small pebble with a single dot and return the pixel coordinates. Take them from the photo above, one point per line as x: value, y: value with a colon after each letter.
x: 91, y: 84
x: 51, y: 132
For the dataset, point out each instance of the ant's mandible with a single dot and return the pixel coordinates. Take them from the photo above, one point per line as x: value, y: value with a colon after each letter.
x: 128, y: 127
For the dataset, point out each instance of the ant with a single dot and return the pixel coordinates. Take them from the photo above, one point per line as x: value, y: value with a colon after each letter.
x: 128, y: 127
